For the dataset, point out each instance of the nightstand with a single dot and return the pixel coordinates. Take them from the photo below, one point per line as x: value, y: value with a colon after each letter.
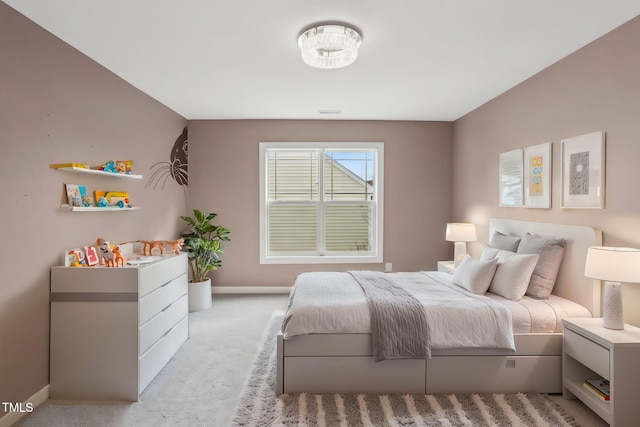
x: 446, y: 267
x: 590, y: 351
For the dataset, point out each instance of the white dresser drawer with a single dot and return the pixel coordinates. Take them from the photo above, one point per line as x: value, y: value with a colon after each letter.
x: 157, y: 274
x: 154, y: 329
x: 587, y: 352
x: 157, y: 356
x: 153, y: 303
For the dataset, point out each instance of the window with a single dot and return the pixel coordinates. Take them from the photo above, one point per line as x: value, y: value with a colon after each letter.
x: 321, y: 202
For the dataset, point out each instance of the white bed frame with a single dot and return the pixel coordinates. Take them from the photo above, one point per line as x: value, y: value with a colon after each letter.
x: 343, y: 363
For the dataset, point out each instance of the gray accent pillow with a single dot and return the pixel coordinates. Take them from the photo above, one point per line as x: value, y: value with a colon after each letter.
x: 544, y: 275
x: 489, y: 253
x: 504, y: 242
x: 475, y: 275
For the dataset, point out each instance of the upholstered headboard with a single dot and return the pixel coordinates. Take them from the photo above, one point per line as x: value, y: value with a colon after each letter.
x: 571, y: 282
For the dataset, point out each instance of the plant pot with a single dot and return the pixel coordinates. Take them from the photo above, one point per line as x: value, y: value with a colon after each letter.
x: 199, y: 295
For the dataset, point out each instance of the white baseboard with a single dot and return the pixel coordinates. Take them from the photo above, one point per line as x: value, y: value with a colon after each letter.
x: 250, y: 289
x: 36, y: 400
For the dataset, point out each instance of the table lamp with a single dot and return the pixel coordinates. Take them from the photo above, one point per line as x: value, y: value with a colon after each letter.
x: 613, y: 265
x: 460, y: 233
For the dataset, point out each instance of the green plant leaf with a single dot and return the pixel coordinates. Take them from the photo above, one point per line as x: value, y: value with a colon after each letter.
x: 203, y: 244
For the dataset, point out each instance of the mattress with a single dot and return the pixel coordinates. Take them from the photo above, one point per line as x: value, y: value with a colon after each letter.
x: 331, y: 303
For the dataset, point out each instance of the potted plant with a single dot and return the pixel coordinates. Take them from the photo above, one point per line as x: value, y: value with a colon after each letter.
x: 203, y: 243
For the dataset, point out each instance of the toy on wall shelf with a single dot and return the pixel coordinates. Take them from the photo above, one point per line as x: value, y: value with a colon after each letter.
x: 110, y: 166
x: 124, y: 203
x: 69, y: 165
x: 113, y: 198
x: 77, y: 195
x: 124, y: 166
x: 116, y: 166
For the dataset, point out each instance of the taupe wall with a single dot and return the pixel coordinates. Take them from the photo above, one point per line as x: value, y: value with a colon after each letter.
x: 64, y: 107
x: 56, y: 105
x: 595, y: 89
x: 224, y: 163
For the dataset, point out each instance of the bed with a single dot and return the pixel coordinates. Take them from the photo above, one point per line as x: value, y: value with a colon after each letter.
x: 325, y: 361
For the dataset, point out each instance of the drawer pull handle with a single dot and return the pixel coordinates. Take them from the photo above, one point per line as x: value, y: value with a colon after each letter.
x: 167, y: 333
x: 166, y: 308
x: 165, y: 284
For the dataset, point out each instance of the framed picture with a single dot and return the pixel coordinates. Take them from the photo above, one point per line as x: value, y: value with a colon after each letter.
x: 510, y: 186
x: 537, y: 176
x: 583, y: 171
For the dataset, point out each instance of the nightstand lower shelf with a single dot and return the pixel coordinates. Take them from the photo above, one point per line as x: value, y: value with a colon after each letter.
x: 597, y: 405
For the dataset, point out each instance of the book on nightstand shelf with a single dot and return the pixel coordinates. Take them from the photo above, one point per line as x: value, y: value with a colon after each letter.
x: 598, y: 387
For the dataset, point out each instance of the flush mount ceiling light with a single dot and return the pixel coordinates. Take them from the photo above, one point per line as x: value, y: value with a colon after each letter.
x: 329, y: 46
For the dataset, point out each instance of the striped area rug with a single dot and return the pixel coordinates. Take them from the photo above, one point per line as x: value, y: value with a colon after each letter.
x: 259, y: 406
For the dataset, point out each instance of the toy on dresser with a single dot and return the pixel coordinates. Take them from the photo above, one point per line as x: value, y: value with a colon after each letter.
x: 149, y: 245
x: 111, y: 256
x: 106, y: 253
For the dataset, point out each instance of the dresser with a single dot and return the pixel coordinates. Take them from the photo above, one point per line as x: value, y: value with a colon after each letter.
x: 114, y: 329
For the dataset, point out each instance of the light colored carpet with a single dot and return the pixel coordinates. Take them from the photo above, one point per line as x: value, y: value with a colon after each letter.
x: 201, y: 384
x: 259, y: 406
x: 198, y: 387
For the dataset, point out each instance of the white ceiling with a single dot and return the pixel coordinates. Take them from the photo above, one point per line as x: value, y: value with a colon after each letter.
x: 239, y: 59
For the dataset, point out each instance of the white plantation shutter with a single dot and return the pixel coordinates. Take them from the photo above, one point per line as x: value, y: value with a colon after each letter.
x: 293, y: 228
x: 347, y: 227
x: 293, y: 175
x: 300, y: 226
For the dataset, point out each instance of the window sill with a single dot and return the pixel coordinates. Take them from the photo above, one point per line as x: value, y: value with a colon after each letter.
x: 333, y: 259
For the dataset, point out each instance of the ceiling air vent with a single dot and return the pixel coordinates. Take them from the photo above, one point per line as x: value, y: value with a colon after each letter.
x: 330, y: 112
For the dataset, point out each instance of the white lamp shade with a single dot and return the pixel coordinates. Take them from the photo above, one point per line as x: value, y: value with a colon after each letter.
x: 613, y: 264
x: 461, y: 232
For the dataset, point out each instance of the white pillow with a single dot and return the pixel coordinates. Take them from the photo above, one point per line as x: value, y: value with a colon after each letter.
x: 474, y: 275
x: 512, y: 274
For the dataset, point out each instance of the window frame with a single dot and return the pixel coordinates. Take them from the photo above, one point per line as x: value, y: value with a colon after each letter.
x: 375, y: 255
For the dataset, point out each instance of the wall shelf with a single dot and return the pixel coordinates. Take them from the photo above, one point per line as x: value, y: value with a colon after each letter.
x: 96, y: 208
x: 71, y: 167
x: 99, y: 172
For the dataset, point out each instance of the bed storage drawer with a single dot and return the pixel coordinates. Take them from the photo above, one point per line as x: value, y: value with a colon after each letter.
x: 329, y: 345
x: 493, y: 374
x: 353, y: 375
x: 587, y: 352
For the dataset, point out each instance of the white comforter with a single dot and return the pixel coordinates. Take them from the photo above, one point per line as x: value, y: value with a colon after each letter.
x: 333, y: 302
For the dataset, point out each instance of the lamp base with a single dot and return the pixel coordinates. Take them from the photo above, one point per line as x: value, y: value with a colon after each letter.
x: 612, y: 311
x: 459, y: 251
